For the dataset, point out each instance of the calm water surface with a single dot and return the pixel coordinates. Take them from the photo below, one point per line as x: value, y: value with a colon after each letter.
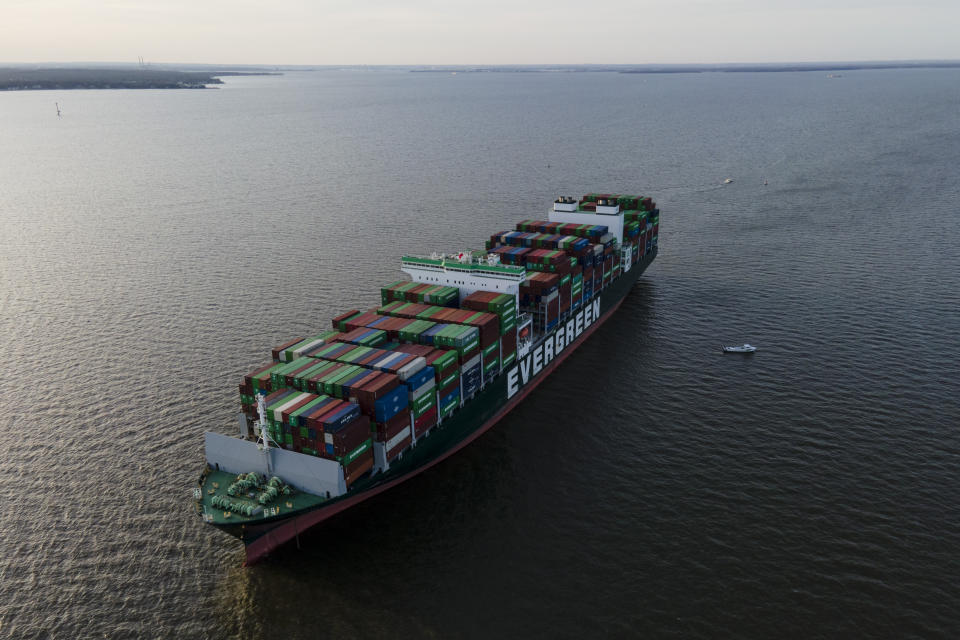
x: 155, y: 245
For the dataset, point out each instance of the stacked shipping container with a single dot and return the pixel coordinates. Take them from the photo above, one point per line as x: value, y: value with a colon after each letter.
x: 390, y: 374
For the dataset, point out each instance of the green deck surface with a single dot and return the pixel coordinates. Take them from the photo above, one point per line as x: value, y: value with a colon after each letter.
x: 216, y: 483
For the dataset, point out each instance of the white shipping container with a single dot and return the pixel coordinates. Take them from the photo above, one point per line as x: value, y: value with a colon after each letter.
x: 385, y: 362
x: 397, y: 439
x: 297, y: 397
x: 299, y: 351
x: 425, y: 388
x: 411, y: 368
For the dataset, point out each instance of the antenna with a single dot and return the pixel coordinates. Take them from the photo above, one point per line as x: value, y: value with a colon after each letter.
x: 264, y: 441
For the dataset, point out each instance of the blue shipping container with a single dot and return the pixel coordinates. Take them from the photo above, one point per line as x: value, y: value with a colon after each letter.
x: 420, y: 378
x: 390, y: 404
x: 450, y: 397
x: 342, y: 418
x: 427, y: 336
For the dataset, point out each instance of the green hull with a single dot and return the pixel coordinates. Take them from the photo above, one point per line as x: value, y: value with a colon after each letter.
x: 267, y: 531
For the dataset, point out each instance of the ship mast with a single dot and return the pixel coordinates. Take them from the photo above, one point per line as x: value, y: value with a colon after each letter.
x: 263, y: 442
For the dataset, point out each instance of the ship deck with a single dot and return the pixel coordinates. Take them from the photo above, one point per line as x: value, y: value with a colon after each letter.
x: 216, y: 482
x: 459, y: 429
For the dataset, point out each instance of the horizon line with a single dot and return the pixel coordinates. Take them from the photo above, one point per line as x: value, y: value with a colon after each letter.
x: 906, y: 61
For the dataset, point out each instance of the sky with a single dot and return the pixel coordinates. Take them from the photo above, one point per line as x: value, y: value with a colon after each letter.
x: 339, y: 32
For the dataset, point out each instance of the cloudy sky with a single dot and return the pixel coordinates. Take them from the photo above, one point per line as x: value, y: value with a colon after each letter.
x: 477, y: 32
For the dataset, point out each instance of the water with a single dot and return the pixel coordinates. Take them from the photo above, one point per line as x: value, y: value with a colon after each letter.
x: 156, y: 244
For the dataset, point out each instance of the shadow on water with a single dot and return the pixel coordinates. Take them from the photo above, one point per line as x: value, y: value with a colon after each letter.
x: 353, y: 575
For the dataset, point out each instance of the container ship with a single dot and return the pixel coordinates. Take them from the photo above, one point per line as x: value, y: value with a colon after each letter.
x: 384, y: 394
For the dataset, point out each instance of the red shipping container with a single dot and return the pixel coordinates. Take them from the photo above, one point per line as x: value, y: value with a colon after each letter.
x: 360, y: 465
x: 409, y: 311
x: 424, y: 422
x: 410, y: 295
x: 285, y: 414
x: 450, y: 388
x: 469, y: 355
x: 367, y: 395
x: 343, y: 316
x: 442, y: 314
x: 248, y: 379
x: 398, y: 448
x: 312, y: 382
x: 487, y: 324
x: 479, y: 300
x: 315, y: 417
x: 353, y: 435
x: 286, y: 345
x: 393, y: 426
x: 370, y: 357
x: 369, y: 377
x: 350, y: 437
x: 391, y: 325
x: 458, y: 316
x: 361, y: 321
x: 508, y: 343
x: 288, y: 379
x: 420, y: 350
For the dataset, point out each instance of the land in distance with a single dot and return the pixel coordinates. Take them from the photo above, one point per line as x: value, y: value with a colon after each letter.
x: 26, y: 79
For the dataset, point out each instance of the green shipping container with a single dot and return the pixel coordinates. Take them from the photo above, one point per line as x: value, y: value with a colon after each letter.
x: 448, y: 359
x: 354, y: 354
x: 333, y: 385
x: 353, y: 455
x: 342, y: 325
x: 411, y: 333
x: 450, y: 379
x: 423, y: 403
x: 449, y: 407
x: 388, y: 309
x: 295, y: 416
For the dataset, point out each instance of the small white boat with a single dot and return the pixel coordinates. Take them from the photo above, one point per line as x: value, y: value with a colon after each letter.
x: 745, y: 348
x: 728, y: 181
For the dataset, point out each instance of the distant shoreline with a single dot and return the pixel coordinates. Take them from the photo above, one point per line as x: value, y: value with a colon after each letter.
x: 28, y: 78
x: 691, y: 68
x: 69, y: 78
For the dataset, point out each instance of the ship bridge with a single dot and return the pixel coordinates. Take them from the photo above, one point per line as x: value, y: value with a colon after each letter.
x: 468, y: 272
x: 608, y: 213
